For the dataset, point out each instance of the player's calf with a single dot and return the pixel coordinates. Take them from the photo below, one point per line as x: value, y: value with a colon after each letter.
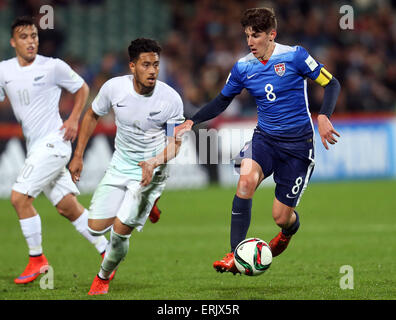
x: 23, y: 205
x: 240, y: 220
x: 116, y: 251
x: 280, y: 242
x: 112, y: 275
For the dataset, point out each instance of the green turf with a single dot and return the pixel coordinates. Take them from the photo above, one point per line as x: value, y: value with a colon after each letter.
x: 350, y: 223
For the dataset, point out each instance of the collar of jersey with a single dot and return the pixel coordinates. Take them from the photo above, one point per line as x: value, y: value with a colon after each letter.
x: 30, y: 66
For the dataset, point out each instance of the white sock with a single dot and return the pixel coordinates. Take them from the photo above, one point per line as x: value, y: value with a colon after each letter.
x: 81, y: 225
x: 116, y: 251
x: 31, y: 229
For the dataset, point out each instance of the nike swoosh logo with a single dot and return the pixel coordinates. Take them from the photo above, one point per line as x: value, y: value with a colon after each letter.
x: 151, y: 114
x: 120, y: 106
x: 6, y: 82
x: 38, y: 78
x: 287, y: 196
x: 251, y: 75
x: 236, y: 213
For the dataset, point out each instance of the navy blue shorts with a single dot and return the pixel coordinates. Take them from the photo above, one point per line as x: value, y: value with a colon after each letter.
x: 291, y: 162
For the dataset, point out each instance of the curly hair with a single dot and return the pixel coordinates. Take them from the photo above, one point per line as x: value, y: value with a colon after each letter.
x: 141, y: 45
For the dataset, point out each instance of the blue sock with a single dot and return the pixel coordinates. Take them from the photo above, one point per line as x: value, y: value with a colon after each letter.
x: 293, y: 228
x: 240, y: 220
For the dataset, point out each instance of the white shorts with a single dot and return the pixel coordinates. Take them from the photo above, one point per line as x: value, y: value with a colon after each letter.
x: 124, y: 198
x: 45, y: 171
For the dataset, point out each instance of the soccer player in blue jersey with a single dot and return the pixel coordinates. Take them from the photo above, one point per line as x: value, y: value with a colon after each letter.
x: 283, y: 141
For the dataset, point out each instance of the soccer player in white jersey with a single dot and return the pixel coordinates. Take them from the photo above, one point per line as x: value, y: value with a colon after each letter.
x: 33, y: 84
x: 146, y: 110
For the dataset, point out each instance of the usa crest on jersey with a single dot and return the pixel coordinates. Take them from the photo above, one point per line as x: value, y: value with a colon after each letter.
x: 280, y: 69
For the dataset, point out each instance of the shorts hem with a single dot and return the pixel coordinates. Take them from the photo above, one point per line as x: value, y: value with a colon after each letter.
x: 26, y: 192
x: 59, y: 199
x: 293, y: 204
x: 138, y: 227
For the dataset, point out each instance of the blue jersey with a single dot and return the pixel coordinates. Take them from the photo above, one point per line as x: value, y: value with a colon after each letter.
x: 280, y: 89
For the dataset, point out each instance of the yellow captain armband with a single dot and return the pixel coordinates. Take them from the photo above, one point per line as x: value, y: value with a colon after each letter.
x: 324, y: 77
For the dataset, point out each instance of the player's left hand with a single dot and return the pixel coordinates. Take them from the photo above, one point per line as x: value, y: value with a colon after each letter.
x: 326, y: 131
x: 71, y: 129
x: 75, y: 168
x: 147, y: 172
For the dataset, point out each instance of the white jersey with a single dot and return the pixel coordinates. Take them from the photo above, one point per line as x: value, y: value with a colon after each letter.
x: 34, y: 92
x: 142, y: 121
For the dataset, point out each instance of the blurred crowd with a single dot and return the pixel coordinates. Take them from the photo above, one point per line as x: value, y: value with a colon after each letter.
x: 207, y: 39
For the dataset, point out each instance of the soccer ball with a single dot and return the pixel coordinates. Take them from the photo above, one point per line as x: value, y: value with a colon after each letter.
x: 252, y: 256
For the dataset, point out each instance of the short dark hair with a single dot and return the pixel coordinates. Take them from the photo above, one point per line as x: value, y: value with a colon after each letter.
x: 259, y: 19
x: 141, y: 45
x: 22, y: 21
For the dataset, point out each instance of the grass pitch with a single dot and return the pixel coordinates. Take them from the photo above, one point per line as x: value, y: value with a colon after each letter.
x: 349, y: 223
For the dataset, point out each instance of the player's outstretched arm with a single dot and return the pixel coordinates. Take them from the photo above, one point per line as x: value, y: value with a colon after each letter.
x: 88, y: 126
x: 170, y: 152
x: 71, y: 124
x: 209, y: 111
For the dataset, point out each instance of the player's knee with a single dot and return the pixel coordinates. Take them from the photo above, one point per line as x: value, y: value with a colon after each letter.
x: 62, y: 211
x: 246, y: 186
x: 15, y: 201
x: 70, y: 213
x: 96, y: 229
x: 69, y: 207
x: 19, y: 201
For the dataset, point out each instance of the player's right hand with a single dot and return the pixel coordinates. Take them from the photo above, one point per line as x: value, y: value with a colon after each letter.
x: 70, y: 127
x: 75, y: 168
x: 183, y: 128
x: 326, y: 131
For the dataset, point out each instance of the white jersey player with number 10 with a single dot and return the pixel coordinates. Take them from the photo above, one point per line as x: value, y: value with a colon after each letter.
x: 34, y: 93
x: 33, y: 84
x: 146, y: 110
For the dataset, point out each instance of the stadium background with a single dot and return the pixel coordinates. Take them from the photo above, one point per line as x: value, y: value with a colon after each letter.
x: 348, y: 218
